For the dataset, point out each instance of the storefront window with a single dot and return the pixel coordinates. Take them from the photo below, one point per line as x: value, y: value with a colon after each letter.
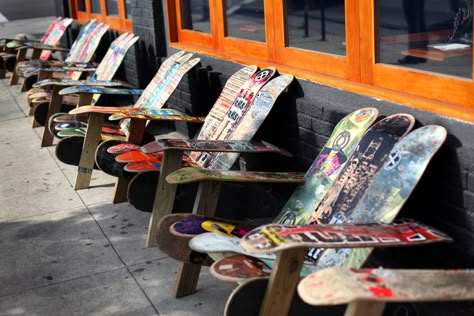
x: 245, y: 20
x: 316, y: 25
x: 195, y: 15
x: 128, y: 9
x: 429, y: 35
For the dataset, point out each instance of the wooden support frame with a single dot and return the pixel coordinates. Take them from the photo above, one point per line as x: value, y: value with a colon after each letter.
x: 55, y: 104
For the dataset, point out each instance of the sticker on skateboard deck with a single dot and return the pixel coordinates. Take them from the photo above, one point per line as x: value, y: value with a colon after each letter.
x: 205, y: 145
x: 276, y: 237
x: 237, y: 110
x: 187, y: 175
x: 337, y: 285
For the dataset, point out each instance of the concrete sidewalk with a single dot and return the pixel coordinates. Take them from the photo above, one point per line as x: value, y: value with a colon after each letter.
x: 66, y: 252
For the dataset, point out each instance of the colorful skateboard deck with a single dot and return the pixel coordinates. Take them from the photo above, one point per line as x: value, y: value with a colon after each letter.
x: 100, y: 90
x: 276, y: 237
x: 123, y: 148
x: 219, y: 146
x: 195, y: 225
x: 239, y: 268
x: 250, y: 120
x: 341, y: 286
x: 67, y: 82
x: 187, y: 175
x: 237, y: 110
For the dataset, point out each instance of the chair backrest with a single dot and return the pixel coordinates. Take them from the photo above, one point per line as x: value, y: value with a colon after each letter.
x: 113, y: 59
x: 55, y: 35
x: 50, y: 29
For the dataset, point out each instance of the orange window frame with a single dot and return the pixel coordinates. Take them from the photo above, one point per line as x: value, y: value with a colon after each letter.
x: 120, y: 23
x: 357, y: 71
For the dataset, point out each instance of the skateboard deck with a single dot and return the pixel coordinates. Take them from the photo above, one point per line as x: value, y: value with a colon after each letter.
x: 341, y: 286
x: 70, y: 82
x: 195, y: 225
x: 131, y: 156
x: 123, y: 148
x: 187, y: 175
x: 219, y: 146
x: 237, y: 109
x: 277, y: 237
x: 250, y: 121
x: 100, y: 90
x: 239, y: 268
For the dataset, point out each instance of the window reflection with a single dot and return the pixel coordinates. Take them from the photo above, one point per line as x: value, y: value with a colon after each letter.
x: 195, y: 15
x: 431, y: 35
x: 112, y: 8
x: 245, y: 19
x: 128, y: 9
x: 95, y: 6
x: 316, y: 25
x: 81, y: 5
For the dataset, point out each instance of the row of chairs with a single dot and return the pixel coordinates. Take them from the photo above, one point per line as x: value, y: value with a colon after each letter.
x: 170, y: 162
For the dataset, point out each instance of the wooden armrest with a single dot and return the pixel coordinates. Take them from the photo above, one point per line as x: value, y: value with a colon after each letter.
x: 342, y: 285
x: 156, y: 115
x: 213, y: 146
x: 276, y: 237
x: 59, y: 82
x: 100, y: 90
x: 191, y: 174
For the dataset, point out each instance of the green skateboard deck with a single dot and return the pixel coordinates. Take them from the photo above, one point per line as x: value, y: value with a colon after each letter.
x: 190, y: 174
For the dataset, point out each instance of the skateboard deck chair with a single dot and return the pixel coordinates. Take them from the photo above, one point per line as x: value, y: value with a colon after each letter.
x: 42, y: 50
x: 368, y: 290
x: 102, y: 76
x: 153, y: 97
x: 349, y: 130
x: 380, y: 201
x: 80, y: 54
x: 9, y: 46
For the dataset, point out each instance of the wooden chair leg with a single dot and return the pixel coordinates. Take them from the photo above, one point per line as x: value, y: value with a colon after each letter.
x: 283, y: 281
x: 365, y: 308
x: 86, y: 163
x: 165, y: 193
x: 20, y: 56
x: 54, y: 107
x: 135, y: 136
x: 205, y: 204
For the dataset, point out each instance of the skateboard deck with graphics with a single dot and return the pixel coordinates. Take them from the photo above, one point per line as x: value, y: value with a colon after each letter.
x: 219, y: 146
x: 341, y: 286
x: 237, y: 109
x: 132, y: 156
x: 250, y: 121
x: 100, y: 90
x: 195, y: 225
x: 68, y: 82
x: 123, y: 148
x: 239, y: 268
x: 277, y: 237
x: 187, y: 175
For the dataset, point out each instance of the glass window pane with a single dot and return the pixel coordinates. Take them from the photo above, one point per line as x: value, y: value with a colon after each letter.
x: 430, y: 35
x: 195, y: 15
x: 81, y: 5
x: 316, y: 25
x: 112, y: 8
x: 95, y: 6
x: 245, y: 19
x: 128, y: 9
